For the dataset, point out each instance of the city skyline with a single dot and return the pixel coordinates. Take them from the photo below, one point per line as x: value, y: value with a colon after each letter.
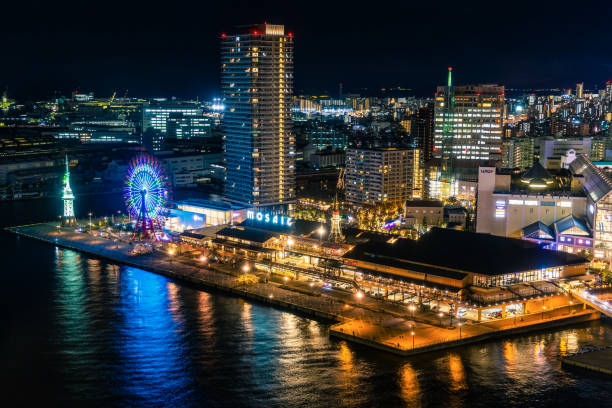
x: 175, y: 53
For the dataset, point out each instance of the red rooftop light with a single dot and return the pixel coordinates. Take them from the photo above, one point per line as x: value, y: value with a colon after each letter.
x: 223, y: 35
x: 290, y: 34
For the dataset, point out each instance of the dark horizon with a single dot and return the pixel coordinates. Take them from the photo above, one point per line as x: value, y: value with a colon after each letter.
x: 175, y: 52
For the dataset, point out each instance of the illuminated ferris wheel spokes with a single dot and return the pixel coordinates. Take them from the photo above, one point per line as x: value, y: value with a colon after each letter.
x: 146, y: 194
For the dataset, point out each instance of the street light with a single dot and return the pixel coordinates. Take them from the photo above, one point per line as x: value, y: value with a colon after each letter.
x: 321, y: 231
x: 543, y: 309
x: 203, y: 258
x: 459, y: 324
x: 412, y: 332
x: 290, y: 241
x: 569, y: 307
x: 90, y: 221
x: 359, y: 295
x: 440, y: 315
x: 412, y: 309
x: 245, y: 268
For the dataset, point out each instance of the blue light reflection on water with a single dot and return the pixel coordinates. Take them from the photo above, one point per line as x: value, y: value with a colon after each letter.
x: 153, y: 360
x: 83, y: 332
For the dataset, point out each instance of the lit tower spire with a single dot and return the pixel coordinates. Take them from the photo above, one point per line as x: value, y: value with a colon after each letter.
x: 68, y: 198
x: 448, y: 140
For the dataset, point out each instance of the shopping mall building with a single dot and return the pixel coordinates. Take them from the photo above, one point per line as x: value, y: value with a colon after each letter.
x: 445, y: 270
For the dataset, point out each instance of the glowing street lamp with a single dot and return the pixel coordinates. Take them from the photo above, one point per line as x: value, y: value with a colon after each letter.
x: 290, y: 242
x: 321, y: 231
x: 543, y: 309
x: 90, y: 214
x: 359, y: 295
x: 460, y: 324
x: 412, y: 308
x: 569, y: 307
x: 412, y: 333
x: 245, y: 268
x: 440, y: 315
x: 203, y: 258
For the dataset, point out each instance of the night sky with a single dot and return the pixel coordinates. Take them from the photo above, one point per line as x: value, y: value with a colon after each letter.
x: 172, y: 48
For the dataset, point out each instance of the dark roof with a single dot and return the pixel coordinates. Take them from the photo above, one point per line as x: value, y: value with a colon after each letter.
x: 415, y: 281
x: 240, y: 245
x: 424, y: 203
x: 537, y: 172
x: 365, y: 253
x: 299, y: 227
x: 536, y: 227
x: 247, y: 234
x: 569, y: 222
x: 482, y: 254
x: 192, y: 235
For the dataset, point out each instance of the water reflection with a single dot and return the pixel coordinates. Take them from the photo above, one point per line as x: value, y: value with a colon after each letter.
x: 457, y: 373
x: 409, y: 387
x: 150, y: 341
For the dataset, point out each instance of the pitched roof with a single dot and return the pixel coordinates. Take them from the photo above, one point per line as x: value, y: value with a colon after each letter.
x: 537, y: 172
x: 246, y: 234
x: 537, y: 227
x: 464, y: 251
x: 565, y: 224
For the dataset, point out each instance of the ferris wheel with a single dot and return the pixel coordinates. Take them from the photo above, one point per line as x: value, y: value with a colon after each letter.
x: 146, y: 193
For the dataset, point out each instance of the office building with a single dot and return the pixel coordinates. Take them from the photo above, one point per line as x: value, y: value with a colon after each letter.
x: 468, y: 122
x: 555, y: 152
x: 381, y: 175
x: 518, y: 153
x: 184, y: 127
x: 259, y: 145
x: 579, y: 90
x: 155, y: 117
x: 422, y: 129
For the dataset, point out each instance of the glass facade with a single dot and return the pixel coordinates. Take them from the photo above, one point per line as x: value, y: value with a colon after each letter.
x: 518, y: 277
x: 476, y: 129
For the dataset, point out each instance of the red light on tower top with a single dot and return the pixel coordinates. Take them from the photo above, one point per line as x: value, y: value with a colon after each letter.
x: 290, y: 34
x: 223, y: 35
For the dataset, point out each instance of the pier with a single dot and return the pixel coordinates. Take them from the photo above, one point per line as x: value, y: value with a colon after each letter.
x: 371, y: 322
x: 599, y: 361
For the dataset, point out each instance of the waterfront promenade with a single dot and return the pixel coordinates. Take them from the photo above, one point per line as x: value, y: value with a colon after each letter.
x: 371, y: 322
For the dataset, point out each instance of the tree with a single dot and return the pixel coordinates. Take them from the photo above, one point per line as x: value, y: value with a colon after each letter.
x: 606, y: 276
x: 586, y: 253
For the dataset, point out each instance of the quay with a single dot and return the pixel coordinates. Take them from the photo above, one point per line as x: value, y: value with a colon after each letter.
x: 371, y: 322
x: 599, y: 361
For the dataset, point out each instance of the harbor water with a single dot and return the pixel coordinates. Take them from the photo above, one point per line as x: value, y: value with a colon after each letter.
x: 78, y: 331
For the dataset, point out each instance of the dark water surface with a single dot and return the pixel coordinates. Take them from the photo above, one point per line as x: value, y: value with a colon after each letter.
x: 77, y: 331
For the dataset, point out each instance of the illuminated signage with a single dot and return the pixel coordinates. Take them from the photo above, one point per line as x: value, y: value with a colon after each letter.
x: 267, y: 218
